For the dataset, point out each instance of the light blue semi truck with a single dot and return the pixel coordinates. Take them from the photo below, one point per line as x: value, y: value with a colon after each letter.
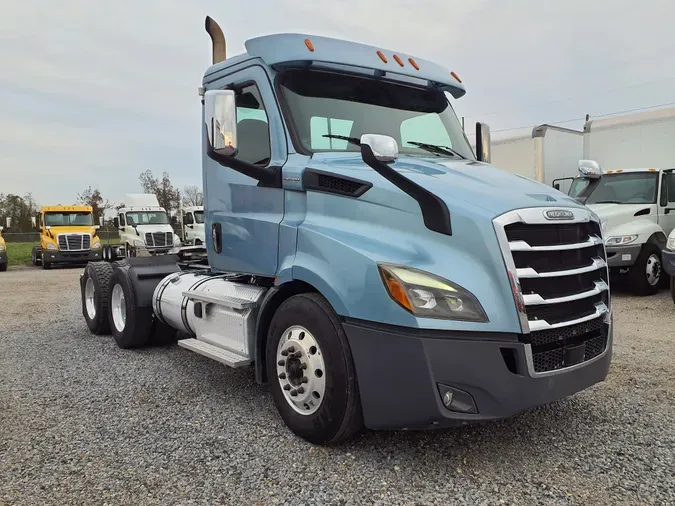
x: 369, y: 266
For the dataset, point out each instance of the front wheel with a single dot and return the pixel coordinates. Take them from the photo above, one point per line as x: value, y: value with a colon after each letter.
x: 311, y: 371
x: 645, y: 275
x: 45, y: 264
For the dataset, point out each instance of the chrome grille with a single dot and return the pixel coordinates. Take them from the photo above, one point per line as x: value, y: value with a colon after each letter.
x: 74, y: 242
x: 559, y: 277
x: 158, y: 239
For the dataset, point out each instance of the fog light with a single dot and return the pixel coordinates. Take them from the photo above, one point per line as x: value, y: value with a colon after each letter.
x: 457, y: 400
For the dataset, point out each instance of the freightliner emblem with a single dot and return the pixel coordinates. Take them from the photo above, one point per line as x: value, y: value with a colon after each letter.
x: 558, y: 214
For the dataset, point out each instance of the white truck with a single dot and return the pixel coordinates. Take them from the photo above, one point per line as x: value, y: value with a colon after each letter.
x: 544, y: 153
x: 144, y: 228
x: 193, y: 225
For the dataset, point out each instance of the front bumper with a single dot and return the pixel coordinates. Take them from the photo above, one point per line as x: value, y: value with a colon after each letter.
x: 3, y: 257
x: 402, y: 373
x: 622, y: 256
x: 668, y: 257
x: 71, y: 257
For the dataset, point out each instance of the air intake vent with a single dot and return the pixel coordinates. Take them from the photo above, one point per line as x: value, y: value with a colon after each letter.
x: 333, y: 183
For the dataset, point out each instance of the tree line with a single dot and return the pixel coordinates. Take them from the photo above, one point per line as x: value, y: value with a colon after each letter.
x: 22, y: 208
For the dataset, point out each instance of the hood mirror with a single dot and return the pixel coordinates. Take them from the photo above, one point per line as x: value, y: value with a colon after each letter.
x: 33, y: 221
x: 384, y: 148
x: 589, y: 169
x: 483, y: 142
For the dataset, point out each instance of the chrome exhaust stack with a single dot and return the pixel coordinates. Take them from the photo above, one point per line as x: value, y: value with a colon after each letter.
x: 217, y: 40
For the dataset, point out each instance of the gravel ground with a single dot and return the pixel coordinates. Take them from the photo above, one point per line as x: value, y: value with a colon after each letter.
x: 84, y: 422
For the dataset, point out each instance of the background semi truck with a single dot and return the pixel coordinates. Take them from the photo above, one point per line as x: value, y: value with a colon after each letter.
x: 193, y: 225
x: 543, y: 153
x: 67, y: 236
x: 4, y: 260
x: 631, y: 186
x: 361, y: 258
x: 144, y: 227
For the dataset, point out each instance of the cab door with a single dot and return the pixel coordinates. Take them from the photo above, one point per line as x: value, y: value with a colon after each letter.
x: 667, y: 201
x: 243, y: 218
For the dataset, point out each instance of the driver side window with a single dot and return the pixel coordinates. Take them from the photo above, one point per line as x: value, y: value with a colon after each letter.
x: 253, y: 134
x: 668, y: 190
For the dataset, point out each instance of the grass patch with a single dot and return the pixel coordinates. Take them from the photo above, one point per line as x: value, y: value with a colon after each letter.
x: 19, y: 253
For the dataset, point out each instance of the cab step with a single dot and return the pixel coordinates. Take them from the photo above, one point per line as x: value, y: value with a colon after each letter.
x: 226, y: 357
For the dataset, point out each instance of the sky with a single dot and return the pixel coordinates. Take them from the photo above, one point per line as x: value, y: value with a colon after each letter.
x: 94, y: 93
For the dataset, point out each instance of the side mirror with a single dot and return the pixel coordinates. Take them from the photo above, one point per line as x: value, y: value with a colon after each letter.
x: 101, y: 221
x: 33, y: 221
x: 589, y: 169
x: 384, y: 148
x: 9, y: 222
x: 116, y: 222
x: 556, y: 186
x: 483, y: 142
x: 220, y: 116
x: 174, y: 220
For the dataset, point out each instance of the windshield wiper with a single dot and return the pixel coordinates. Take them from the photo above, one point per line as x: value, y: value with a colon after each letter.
x: 353, y: 140
x: 436, y: 149
x: 608, y: 202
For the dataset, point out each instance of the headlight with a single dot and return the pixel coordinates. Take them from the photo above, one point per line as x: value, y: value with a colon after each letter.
x: 428, y: 296
x: 51, y: 246
x: 670, y: 245
x: 620, y: 240
x: 96, y: 245
x: 2, y: 247
x: 139, y: 242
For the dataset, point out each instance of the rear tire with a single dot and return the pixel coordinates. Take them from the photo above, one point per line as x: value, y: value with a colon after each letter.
x: 36, y: 256
x: 672, y: 288
x: 338, y: 416
x: 645, y: 275
x: 130, y: 325
x: 95, y: 291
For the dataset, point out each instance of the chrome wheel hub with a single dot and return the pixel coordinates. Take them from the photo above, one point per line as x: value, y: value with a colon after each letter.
x: 301, y: 371
x: 653, y: 270
x: 118, y: 308
x: 89, y: 303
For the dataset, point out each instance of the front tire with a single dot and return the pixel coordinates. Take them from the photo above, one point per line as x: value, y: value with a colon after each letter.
x: 3, y: 267
x: 645, y: 275
x: 95, y: 303
x: 311, y: 371
x: 45, y: 264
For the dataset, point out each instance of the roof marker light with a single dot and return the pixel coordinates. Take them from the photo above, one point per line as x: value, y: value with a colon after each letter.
x: 398, y: 60
x: 652, y: 170
x: 413, y: 63
x: 453, y: 74
x: 309, y: 45
x: 619, y: 170
x: 382, y: 57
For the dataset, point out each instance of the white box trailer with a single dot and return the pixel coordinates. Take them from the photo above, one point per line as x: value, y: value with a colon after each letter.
x: 543, y: 153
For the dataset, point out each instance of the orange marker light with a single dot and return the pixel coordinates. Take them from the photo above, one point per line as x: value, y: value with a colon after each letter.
x: 382, y: 57
x: 309, y: 45
x: 456, y: 77
x: 619, y: 170
x: 396, y: 290
x: 398, y: 60
x: 413, y: 63
x: 609, y: 171
x: 652, y: 170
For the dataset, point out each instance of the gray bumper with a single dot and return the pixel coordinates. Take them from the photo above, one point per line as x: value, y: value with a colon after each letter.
x: 401, y: 375
x: 622, y: 256
x: 71, y: 257
x: 668, y: 261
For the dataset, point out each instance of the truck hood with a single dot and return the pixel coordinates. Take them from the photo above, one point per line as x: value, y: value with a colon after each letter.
x: 613, y: 216
x: 456, y: 181
x: 72, y: 230
x: 142, y: 229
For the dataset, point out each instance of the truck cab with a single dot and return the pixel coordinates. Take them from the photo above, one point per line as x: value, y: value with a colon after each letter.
x: 4, y: 261
x: 193, y: 225
x: 67, y: 236
x: 144, y: 226
x: 367, y: 264
x: 637, y: 209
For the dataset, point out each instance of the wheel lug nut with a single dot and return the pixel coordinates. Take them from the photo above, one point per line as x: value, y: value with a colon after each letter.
x: 282, y: 376
x: 287, y: 386
x: 304, y: 379
x: 294, y: 393
x: 304, y: 365
x: 291, y: 349
x: 300, y: 390
x: 282, y: 362
x: 285, y: 353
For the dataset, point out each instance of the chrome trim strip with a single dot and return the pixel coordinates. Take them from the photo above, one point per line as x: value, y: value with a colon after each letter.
x: 600, y: 309
x: 530, y: 361
x: 593, y: 240
x: 529, y: 272
x: 535, y: 299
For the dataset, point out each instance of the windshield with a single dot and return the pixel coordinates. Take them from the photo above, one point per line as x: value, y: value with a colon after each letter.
x: 199, y: 216
x: 330, y: 112
x: 147, y: 218
x: 68, y: 219
x: 622, y: 188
